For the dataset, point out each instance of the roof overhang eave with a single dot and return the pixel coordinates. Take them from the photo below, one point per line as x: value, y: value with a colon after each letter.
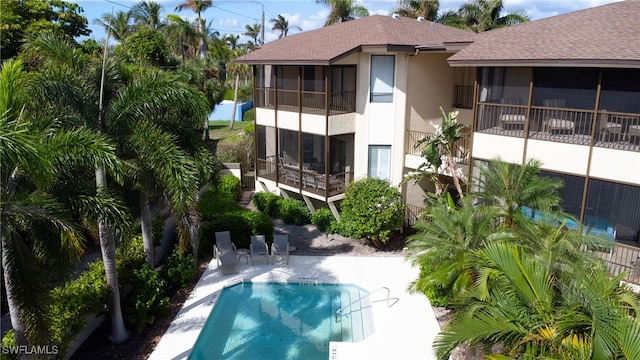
x: 285, y: 62
x: 596, y: 63
x: 321, y: 62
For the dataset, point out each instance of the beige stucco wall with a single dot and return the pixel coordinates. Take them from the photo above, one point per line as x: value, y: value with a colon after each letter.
x: 429, y: 86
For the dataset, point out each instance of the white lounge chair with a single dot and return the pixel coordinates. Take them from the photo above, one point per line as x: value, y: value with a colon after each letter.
x: 223, y: 245
x: 228, y: 263
x: 258, y: 247
x: 280, y: 247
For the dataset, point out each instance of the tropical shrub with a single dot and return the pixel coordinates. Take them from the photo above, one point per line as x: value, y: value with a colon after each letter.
x: 230, y: 185
x: 322, y: 218
x: 87, y: 294
x: 293, y: 211
x: 535, y: 312
x: 249, y: 115
x: 236, y: 150
x: 371, y: 209
x: 178, y: 269
x: 147, y: 299
x: 213, y: 202
x: 267, y: 203
x: 9, y: 341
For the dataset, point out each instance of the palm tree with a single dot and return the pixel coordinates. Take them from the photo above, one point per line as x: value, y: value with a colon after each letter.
x: 483, y: 15
x: 534, y: 313
x: 119, y: 25
x: 438, y: 149
x: 232, y: 41
x: 37, y: 228
x: 443, y: 245
x: 183, y: 34
x: 77, y: 91
x: 197, y: 6
x: 427, y: 9
x: 343, y: 10
x: 451, y: 18
x: 281, y: 24
x: 509, y: 187
x: 148, y: 13
x: 147, y: 119
x: 253, y: 31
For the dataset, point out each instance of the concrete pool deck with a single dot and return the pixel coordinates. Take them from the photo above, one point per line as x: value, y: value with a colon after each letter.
x: 405, y: 330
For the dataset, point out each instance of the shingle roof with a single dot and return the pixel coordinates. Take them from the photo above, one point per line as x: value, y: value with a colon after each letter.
x: 607, y: 35
x: 330, y: 43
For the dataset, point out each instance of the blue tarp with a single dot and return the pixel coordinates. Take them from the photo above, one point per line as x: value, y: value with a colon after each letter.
x: 223, y: 110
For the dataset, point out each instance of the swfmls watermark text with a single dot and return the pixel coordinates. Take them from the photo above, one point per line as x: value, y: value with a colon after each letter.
x: 30, y: 350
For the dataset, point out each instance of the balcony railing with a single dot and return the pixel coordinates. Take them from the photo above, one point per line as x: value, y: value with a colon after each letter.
x: 313, y: 102
x: 461, y: 151
x: 463, y: 96
x: 304, y: 179
x: 622, y: 258
x: 574, y: 126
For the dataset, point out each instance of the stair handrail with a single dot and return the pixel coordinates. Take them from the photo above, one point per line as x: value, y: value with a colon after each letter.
x: 339, y: 311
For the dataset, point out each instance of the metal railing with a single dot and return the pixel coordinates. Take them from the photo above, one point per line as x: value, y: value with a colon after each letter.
x: 412, y: 214
x: 574, y: 126
x: 461, y: 150
x: 622, y: 258
x: 313, y: 102
x: 463, y: 96
x: 339, y: 313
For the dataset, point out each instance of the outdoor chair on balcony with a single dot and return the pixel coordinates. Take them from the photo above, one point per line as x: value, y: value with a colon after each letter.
x: 633, y: 133
x: 309, y: 181
x: 611, y: 130
x: 557, y: 120
x: 511, y: 118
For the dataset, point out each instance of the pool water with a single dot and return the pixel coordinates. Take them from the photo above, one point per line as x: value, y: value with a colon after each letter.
x: 282, y: 321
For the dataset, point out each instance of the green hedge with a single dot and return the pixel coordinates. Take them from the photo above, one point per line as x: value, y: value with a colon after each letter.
x: 291, y: 211
x: 240, y: 223
x: 249, y: 115
x: 323, y: 218
x: 231, y: 185
x: 214, y: 201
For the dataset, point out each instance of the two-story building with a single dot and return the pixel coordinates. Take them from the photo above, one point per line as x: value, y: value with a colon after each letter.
x: 342, y: 102
x: 350, y: 100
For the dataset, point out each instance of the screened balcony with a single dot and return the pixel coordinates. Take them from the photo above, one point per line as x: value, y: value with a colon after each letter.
x: 319, y: 90
x: 302, y: 162
x: 577, y: 106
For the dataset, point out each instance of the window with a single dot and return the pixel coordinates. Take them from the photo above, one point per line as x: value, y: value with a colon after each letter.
x: 382, y: 67
x: 379, y: 161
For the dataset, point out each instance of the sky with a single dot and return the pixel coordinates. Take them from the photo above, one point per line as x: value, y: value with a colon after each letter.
x: 231, y: 16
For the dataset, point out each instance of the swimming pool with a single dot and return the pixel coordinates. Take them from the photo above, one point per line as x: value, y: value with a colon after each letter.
x: 253, y: 320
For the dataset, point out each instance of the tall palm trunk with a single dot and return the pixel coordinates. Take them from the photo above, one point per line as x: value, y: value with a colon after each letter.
x: 203, y: 49
x: 235, y: 102
x: 146, y: 227
x: 18, y: 326
x: 108, y: 248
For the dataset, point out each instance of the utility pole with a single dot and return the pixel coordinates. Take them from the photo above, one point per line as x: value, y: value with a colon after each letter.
x: 262, y: 27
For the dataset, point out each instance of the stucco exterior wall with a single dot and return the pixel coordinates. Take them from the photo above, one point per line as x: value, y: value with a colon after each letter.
x: 429, y: 86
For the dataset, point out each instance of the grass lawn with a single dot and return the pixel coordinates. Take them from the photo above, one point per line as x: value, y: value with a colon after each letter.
x: 219, y: 129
